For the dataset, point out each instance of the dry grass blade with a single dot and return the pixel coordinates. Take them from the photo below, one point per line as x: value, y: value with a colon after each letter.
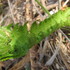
x: 64, y: 55
x: 64, y: 35
x: 51, y: 60
x: 12, y: 14
x: 35, y: 8
x: 64, y: 60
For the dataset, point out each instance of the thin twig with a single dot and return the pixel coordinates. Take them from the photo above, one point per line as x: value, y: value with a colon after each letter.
x: 64, y: 35
x: 65, y: 3
x: 3, y: 18
x: 12, y: 14
x: 50, y: 61
x: 59, y: 4
x: 45, y: 10
x: 33, y: 2
x: 8, y: 14
x: 43, y: 3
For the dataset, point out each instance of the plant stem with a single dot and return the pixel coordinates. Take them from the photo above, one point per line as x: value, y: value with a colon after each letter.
x: 44, y: 9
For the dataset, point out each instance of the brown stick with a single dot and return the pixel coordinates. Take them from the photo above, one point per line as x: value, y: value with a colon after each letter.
x: 52, y: 6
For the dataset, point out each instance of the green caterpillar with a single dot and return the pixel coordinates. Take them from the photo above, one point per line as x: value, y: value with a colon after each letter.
x: 16, y: 42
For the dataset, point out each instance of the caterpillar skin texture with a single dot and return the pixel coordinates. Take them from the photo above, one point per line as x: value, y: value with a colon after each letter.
x: 16, y: 42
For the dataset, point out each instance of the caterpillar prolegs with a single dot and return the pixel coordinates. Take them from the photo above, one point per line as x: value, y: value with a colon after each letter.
x: 20, y: 40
